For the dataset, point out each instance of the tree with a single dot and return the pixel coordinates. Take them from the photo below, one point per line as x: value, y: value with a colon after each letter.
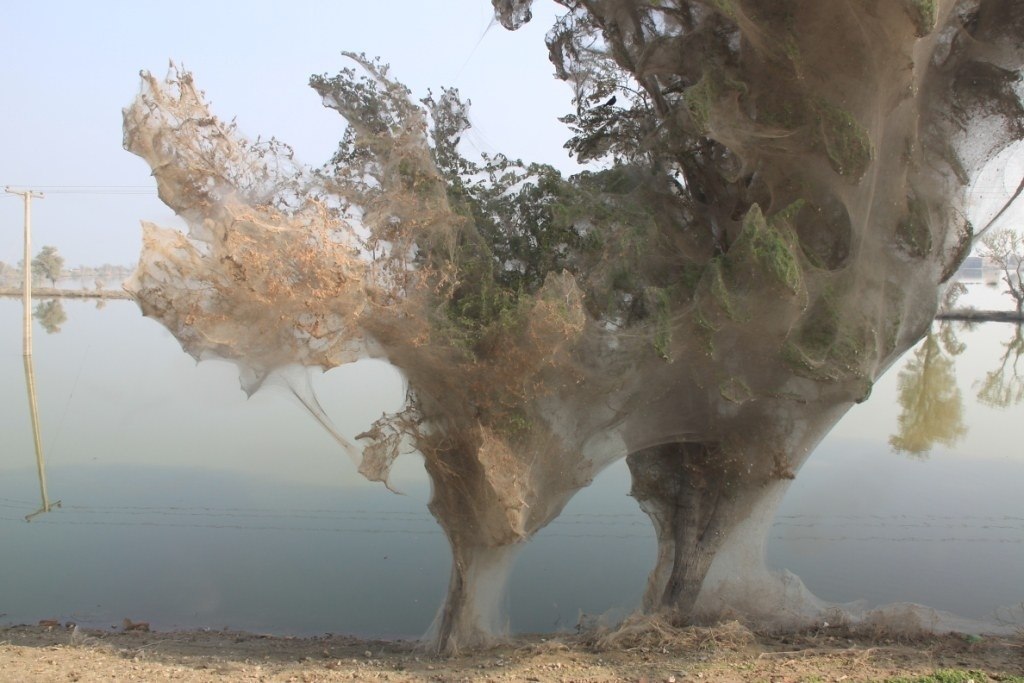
x: 1005, y: 248
x: 782, y: 192
x: 787, y: 116
x: 49, y: 264
x: 9, y: 274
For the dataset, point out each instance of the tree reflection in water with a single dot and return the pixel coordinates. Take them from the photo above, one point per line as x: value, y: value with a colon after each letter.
x: 50, y: 315
x: 931, y: 402
x: 1004, y: 386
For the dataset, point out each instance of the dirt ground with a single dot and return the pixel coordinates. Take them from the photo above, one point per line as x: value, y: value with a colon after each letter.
x: 54, y: 652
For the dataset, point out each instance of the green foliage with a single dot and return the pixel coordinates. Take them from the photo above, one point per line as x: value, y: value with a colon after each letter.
x: 772, y: 245
x: 49, y: 264
x: 415, y: 178
x: 528, y: 217
x: 821, y: 326
x: 512, y: 423
x: 726, y: 7
x: 662, y: 322
x: 700, y: 99
x: 924, y: 14
x: 763, y: 258
x: 607, y: 131
x: 480, y: 308
x: 913, y: 234
x: 619, y: 131
x: 450, y: 117
x: 373, y: 105
x: 828, y: 346
x: 845, y: 140
x: 521, y: 225
x: 716, y: 277
x: 526, y: 221
x: 714, y: 303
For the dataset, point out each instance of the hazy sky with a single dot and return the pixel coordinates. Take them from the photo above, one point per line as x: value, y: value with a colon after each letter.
x: 70, y: 67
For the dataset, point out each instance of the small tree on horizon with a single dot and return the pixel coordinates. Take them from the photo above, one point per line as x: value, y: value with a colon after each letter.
x: 8, y: 273
x: 49, y: 264
x: 1005, y: 249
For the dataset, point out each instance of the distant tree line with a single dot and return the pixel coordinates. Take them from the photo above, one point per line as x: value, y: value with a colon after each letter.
x: 49, y: 265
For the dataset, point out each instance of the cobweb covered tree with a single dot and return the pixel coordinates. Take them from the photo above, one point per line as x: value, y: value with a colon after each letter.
x: 822, y: 150
x: 781, y: 192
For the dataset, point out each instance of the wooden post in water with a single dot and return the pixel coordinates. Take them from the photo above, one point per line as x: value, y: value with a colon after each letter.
x: 30, y: 375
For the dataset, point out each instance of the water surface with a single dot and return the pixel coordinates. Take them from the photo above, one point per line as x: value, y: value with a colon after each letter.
x: 186, y: 505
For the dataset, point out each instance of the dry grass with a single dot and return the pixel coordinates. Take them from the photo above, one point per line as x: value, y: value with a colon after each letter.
x: 654, y: 632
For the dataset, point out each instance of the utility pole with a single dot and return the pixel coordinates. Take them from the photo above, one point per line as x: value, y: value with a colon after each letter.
x: 30, y: 376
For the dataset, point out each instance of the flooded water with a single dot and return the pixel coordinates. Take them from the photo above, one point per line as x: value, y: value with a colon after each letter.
x: 186, y: 505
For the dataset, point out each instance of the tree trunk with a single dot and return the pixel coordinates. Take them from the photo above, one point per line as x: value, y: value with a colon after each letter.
x: 690, y: 499
x: 488, y: 510
x: 473, y: 614
x: 712, y: 508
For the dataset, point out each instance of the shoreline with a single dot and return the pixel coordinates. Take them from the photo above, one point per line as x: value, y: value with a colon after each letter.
x: 980, y: 316
x: 53, y: 293
x: 653, y: 652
